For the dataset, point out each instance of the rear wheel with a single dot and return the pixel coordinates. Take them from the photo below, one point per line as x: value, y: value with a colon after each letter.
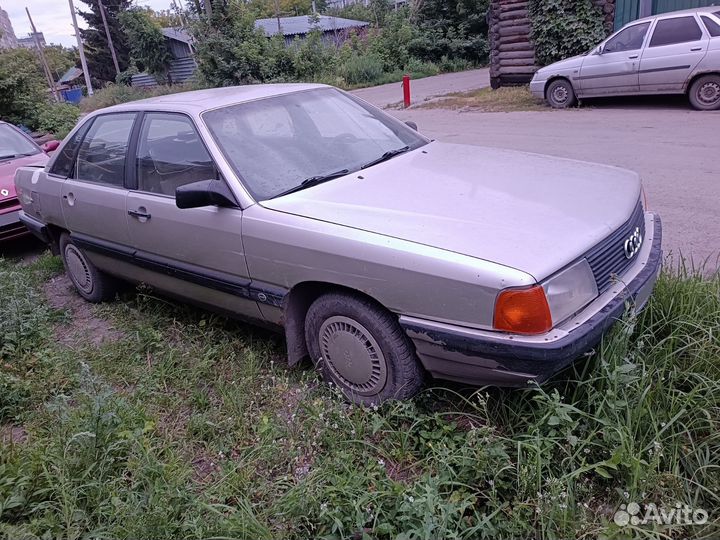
x: 560, y: 94
x: 704, y: 93
x: 92, y: 284
x: 359, y: 347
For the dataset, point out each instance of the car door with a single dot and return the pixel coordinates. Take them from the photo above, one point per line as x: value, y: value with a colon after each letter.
x: 676, y: 47
x: 613, y: 69
x: 93, y: 195
x: 196, y: 253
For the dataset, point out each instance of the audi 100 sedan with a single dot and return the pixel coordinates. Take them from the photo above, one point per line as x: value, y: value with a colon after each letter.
x: 672, y: 53
x: 382, y: 255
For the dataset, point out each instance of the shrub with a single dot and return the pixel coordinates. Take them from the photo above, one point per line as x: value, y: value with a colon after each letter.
x: 114, y: 94
x: 561, y: 29
x: 58, y: 119
x: 362, y: 69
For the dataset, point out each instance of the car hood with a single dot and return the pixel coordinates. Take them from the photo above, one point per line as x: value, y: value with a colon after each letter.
x: 562, y: 65
x: 8, y: 168
x: 531, y: 212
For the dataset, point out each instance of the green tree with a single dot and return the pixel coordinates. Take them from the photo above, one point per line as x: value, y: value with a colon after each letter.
x: 23, y: 90
x: 60, y: 59
x: 148, y: 47
x: 99, y: 58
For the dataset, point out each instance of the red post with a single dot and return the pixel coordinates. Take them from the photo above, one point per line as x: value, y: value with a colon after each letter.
x: 406, y: 90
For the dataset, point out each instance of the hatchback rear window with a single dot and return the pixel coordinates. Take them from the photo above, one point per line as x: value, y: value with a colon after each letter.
x: 712, y: 26
x: 675, y: 30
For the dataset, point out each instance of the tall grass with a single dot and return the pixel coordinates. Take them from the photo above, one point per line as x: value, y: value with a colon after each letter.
x: 191, y: 426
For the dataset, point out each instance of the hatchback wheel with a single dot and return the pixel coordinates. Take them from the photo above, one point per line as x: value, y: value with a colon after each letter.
x: 92, y: 284
x: 361, y: 348
x: 705, y: 93
x: 560, y: 94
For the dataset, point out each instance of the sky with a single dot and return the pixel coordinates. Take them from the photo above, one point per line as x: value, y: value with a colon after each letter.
x: 52, y: 17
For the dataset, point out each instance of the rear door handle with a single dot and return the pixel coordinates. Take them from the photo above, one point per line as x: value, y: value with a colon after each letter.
x: 140, y: 213
x: 695, y: 49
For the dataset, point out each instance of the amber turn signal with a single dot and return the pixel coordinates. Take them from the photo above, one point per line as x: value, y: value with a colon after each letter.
x: 523, y: 311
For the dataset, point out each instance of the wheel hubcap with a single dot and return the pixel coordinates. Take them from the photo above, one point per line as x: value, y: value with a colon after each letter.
x: 352, y: 355
x: 560, y: 94
x: 709, y: 93
x: 78, y: 268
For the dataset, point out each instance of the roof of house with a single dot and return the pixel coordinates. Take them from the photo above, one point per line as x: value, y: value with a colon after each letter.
x: 70, y: 75
x: 177, y: 34
x: 303, y: 24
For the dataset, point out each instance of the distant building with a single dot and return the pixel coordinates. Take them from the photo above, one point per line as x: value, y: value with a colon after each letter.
x: 335, y: 30
x: 29, y: 42
x: 182, y: 65
x: 7, y: 34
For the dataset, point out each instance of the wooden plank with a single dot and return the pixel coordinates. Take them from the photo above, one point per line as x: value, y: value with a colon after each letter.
x: 522, y: 30
x: 512, y: 55
x: 513, y: 70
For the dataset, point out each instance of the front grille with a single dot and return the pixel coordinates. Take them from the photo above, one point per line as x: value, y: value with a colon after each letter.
x: 607, y: 259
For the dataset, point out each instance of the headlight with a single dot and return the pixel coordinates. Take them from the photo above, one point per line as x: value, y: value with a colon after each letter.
x: 570, y: 291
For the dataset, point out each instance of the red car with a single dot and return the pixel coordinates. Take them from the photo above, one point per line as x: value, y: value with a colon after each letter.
x: 16, y: 150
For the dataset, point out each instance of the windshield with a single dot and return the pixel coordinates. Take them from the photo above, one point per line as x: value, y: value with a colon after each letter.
x: 276, y: 144
x: 14, y: 144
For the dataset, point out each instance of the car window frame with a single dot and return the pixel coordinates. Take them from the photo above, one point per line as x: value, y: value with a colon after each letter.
x: 81, y: 131
x: 645, y: 42
x: 87, y: 126
x: 693, y: 16
x: 704, y: 18
x: 131, y: 175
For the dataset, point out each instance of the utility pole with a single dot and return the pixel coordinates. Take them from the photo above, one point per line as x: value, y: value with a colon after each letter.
x: 208, y: 8
x: 109, y: 38
x: 277, y: 15
x: 43, y: 61
x: 81, y: 50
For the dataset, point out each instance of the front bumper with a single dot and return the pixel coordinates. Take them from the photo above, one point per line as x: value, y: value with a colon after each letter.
x: 10, y: 226
x: 481, y: 357
x: 537, y: 88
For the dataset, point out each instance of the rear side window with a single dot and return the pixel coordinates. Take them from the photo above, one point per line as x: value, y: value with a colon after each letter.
x: 675, y: 30
x: 102, y: 154
x: 170, y: 154
x: 712, y: 27
x: 64, y: 164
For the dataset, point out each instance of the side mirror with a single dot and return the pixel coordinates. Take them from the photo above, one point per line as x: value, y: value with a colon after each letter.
x: 412, y: 125
x: 599, y: 50
x: 50, y: 146
x: 204, y: 193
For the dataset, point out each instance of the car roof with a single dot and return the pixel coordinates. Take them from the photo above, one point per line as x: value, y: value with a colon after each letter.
x: 197, y: 101
x: 706, y: 9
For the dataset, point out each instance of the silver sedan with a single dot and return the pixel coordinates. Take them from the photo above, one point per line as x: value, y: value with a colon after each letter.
x: 673, y: 53
x: 383, y: 256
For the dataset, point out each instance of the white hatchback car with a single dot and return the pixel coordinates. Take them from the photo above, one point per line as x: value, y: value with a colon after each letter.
x: 672, y: 53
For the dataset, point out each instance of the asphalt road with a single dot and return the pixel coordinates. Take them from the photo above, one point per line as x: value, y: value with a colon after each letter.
x: 676, y: 151
x: 424, y: 89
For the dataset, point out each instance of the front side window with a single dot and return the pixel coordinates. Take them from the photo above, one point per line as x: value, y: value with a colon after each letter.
x: 64, y: 163
x: 102, y: 153
x: 675, y: 30
x: 630, y: 39
x: 14, y: 144
x: 274, y: 144
x: 712, y: 27
x: 170, y: 154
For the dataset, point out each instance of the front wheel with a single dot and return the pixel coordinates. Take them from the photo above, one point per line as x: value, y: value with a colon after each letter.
x: 359, y: 347
x: 560, y: 94
x: 704, y: 93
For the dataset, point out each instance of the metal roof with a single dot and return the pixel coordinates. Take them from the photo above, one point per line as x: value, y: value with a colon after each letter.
x: 303, y: 24
x: 70, y: 75
x: 177, y: 34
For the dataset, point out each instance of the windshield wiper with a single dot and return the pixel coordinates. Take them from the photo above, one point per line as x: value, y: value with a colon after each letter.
x: 313, y: 181
x: 387, y: 155
x: 15, y: 156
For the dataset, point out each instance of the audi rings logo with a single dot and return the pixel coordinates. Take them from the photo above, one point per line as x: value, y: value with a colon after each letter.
x: 632, y: 245
x: 4, y: 192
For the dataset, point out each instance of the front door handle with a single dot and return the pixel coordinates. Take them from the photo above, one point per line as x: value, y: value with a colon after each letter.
x: 695, y: 49
x: 141, y: 214
x: 633, y: 57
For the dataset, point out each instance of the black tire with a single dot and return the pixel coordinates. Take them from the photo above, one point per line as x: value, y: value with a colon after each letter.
x: 704, y: 93
x: 341, y: 326
x: 560, y: 94
x: 92, y: 284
